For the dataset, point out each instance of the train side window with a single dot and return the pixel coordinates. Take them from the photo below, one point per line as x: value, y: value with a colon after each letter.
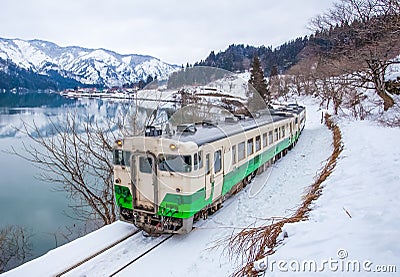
x: 283, y: 131
x: 217, y: 161
x: 145, y: 165
x: 208, y: 164
x: 233, y: 154
x: 270, y: 137
x: 258, y: 143
x: 265, y: 139
x: 250, y: 147
x: 276, y: 135
x: 195, y: 161
x: 200, y: 159
x: 241, y: 151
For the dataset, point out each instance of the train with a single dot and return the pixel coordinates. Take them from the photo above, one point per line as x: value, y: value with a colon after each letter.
x: 164, y: 182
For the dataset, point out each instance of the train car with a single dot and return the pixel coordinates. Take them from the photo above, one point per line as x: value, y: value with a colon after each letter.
x: 165, y: 182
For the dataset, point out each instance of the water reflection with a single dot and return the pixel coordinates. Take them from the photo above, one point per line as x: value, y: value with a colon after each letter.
x: 32, y: 99
x: 24, y: 200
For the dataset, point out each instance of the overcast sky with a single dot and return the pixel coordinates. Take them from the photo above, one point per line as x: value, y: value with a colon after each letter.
x: 175, y: 31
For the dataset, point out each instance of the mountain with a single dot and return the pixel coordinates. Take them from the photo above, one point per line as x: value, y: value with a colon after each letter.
x: 99, y: 67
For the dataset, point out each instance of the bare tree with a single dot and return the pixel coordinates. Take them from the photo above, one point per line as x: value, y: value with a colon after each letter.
x: 305, y: 76
x: 282, y: 86
x: 15, y: 247
x: 76, y: 157
x: 361, y: 38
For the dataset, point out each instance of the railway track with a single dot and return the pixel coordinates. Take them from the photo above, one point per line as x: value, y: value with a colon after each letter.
x: 135, y: 235
x: 144, y: 244
x: 134, y: 238
x: 141, y: 255
x: 98, y: 253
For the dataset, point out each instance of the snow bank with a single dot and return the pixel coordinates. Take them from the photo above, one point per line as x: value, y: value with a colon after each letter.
x: 59, y: 259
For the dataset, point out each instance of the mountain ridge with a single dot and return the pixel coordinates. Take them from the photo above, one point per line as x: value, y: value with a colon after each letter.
x: 98, y: 67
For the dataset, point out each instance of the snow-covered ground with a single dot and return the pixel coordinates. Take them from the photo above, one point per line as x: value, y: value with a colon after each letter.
x: 357, y: 214
x: 366, y: 184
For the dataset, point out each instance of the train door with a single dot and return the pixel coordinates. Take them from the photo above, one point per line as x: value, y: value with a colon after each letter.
x: 218, y: 172
x: 208, y: 175
x: 144, y: 182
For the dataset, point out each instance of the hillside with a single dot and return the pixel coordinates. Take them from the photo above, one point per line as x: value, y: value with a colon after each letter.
x: 238, y: 57
x: 350, y: 59
x: 42, y: 62
x: 13, y: 76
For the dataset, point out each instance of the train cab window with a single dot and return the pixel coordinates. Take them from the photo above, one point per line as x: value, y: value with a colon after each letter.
x: 241, y: 151
x: 233, y: 154
x: 145, y: 165
x: 265, y: 139
x: 122, y: 158
x: 200, y: 159
x: 195, y: 161
x: 250, y: 147
x: 217, y: 161
x: 175, y: 163
x: 270, y: 137
x: 258, y: 143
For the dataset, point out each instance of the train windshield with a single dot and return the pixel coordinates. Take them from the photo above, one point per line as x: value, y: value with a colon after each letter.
x: 122, y: 157
x: 175, y: 163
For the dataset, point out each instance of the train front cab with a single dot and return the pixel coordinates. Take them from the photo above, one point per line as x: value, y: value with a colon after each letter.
x: 166, y: 184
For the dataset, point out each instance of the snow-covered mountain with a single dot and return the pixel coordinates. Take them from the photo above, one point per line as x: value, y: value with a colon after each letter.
x: 88, y: 66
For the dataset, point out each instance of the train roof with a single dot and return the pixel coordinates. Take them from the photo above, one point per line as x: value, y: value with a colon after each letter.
x: 207, y: 132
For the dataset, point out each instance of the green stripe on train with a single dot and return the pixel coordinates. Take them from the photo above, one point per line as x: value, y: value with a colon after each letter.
x: 185, y: 206
x: 123, y: 197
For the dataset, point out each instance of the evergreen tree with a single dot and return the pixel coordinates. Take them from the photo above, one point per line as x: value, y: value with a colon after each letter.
x: 274, y: 71
x: 257, y: 80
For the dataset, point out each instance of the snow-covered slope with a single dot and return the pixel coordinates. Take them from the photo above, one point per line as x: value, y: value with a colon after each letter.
x: 88, y: 66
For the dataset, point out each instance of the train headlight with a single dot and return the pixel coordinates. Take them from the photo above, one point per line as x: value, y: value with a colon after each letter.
x: 118, y: 181
x: 172, y: 146
x: 119, y: 142
x: 178, y: 190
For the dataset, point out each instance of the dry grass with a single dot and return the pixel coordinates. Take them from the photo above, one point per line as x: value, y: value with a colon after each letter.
x: 254, y: 243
